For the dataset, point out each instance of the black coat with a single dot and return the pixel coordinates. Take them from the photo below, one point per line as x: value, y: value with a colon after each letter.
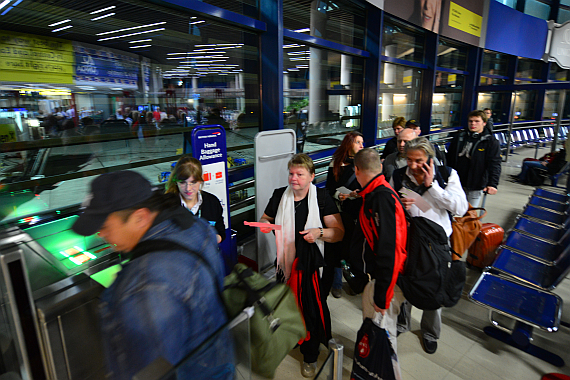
x: 483, y: 168
x: 211, y: 210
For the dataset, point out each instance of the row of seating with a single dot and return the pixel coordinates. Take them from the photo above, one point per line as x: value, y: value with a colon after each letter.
x: 533, y: 259
x: 530, y: 136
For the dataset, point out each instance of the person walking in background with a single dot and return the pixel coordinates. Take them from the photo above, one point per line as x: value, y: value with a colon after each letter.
x: 490, y: 122
x: 445, y: 196
x: 305, y: 227
x: 186, y: 181
x: 476, y: 155
x: 392, y: 145
x: 164, y: 302
x: 341, y: 174
x: 380, y: 243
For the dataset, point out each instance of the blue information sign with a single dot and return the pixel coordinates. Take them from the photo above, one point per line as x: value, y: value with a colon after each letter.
x: 209, y: 147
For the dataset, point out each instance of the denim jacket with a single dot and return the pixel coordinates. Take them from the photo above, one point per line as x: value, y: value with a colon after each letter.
x: 165, y: 304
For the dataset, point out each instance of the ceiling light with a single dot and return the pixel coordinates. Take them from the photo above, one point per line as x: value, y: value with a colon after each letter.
x: 134, y: 42
x: 138, y: 46
x: 197, y: 22
x: 205, y: 45
x: 59, y: 22
x: 4, y: 3
x: 116, y: 88
x: 303, y: 30
x: 62, y: 28
x: 134, y: 27
x: 100, y: 17
x: 132, y: 34
x: 102, y: 10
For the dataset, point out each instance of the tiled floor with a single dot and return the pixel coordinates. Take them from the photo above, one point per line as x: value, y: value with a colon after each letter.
x: 464, y: 351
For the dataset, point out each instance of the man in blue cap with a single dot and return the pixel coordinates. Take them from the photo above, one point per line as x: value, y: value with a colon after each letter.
x: 165, y: 301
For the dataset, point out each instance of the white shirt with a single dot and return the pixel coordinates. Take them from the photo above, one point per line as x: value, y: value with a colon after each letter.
x: 194, y: 210
x: 451, y: 199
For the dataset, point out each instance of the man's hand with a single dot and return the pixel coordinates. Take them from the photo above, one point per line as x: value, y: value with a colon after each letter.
x: 378, y: 310
x: 408, y: 202
x: 490, y: 190
x: 428, y: 169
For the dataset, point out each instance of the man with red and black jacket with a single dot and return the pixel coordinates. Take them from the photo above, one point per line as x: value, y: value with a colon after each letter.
x: 380, y: 237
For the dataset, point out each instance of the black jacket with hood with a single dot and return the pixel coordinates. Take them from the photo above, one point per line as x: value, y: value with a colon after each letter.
x: 479, y: 165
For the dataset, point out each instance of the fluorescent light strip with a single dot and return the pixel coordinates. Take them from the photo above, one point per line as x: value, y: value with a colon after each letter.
x: 65, y: 27
x: 133, y: 28
x: 139, y: 46
x: 134, y: 42
x: 197, y: 22
x: 4, y: 3
x: 100, y: 17
x: 102, y: 10
x: 132, y: 34
x: 59, y: 22
x: 303, y: 30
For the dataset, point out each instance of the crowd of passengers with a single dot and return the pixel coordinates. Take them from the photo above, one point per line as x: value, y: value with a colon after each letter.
x: 164, y: 303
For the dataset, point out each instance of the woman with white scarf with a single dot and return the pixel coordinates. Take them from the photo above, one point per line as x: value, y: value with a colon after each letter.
x: 308, y: 218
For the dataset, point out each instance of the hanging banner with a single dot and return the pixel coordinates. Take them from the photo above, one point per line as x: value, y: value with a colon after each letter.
x: 97, y: 66
x: 35, y: 59
x: 209, y: 147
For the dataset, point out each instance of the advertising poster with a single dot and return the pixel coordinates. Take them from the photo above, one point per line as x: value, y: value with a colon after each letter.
x: 35, y: 59
x: 462, y: 20
x: 7, y: 132
x: 423, y: 13
x: 97, y: 66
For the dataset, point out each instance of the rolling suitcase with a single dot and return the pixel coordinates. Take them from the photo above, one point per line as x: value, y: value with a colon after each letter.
x: 482, y: 253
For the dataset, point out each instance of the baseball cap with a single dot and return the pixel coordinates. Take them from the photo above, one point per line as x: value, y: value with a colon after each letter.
x: 412, y: 123
x: 109, y: 193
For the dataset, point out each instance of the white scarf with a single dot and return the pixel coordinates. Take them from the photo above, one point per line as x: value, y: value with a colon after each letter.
x: 285, y: 238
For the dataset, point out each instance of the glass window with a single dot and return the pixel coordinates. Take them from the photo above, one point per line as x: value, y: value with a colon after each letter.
x: 446, y: 102
x: 550, y: 109
x: 509, y: 3
x: 537, y: 8
x: 340, y: 21
x: 495, y: 102
x: 245, y: 7
x: 525, y: 105
x: 495, y: 63
x: 451, y: 55
x: 563, y: 15
x: 529, y: 69
x: 322, y: 94
x: 399, y: 96
x: 557, y: 73
x: 116, y: 92
x: 402, y: 42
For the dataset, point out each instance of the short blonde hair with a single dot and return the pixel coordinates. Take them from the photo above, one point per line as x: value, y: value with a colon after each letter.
x: 302, y: 160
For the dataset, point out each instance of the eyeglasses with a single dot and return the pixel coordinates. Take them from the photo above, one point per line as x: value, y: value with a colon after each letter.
x: 188, y: 183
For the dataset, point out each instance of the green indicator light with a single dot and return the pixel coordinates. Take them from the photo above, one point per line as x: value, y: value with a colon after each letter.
x: 74, y: 261
x: 64, y: 254
x: 58, y: 212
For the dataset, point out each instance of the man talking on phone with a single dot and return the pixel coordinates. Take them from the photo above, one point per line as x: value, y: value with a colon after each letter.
x: 432, y: 192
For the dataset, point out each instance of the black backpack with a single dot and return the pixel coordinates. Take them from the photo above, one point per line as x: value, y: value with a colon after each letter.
x: 430, y: 279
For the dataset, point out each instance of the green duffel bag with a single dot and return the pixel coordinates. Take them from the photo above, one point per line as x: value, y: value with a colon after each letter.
x: 276, y: 326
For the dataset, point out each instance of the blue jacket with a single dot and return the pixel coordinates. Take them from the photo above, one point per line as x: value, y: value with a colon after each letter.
x: 165, y: 304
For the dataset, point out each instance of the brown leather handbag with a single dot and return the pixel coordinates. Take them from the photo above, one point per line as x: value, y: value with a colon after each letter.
x: 465, y: 230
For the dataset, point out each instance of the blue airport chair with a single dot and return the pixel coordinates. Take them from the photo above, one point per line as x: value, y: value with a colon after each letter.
x: 546, y: 231
x: 548, y: 203
x: 530, y: 307
x: 536, y: 247
x: 551, y: 194
x: 544, y: 214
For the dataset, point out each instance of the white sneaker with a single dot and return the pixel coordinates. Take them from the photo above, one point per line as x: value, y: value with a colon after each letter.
x: 308, y: 369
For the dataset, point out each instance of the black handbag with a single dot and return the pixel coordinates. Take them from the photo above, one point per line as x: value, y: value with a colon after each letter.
x: 373, y: 354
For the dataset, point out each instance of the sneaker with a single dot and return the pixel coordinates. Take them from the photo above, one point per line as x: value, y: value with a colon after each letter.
x: 308, y: 369
x: 336, y: 293
x: 430, y: 346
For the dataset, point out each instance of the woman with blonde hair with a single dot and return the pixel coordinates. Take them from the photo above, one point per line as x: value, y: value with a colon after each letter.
x: 186, y: 181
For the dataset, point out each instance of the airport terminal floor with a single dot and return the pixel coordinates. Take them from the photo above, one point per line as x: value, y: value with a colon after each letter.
x: 464, y: 351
